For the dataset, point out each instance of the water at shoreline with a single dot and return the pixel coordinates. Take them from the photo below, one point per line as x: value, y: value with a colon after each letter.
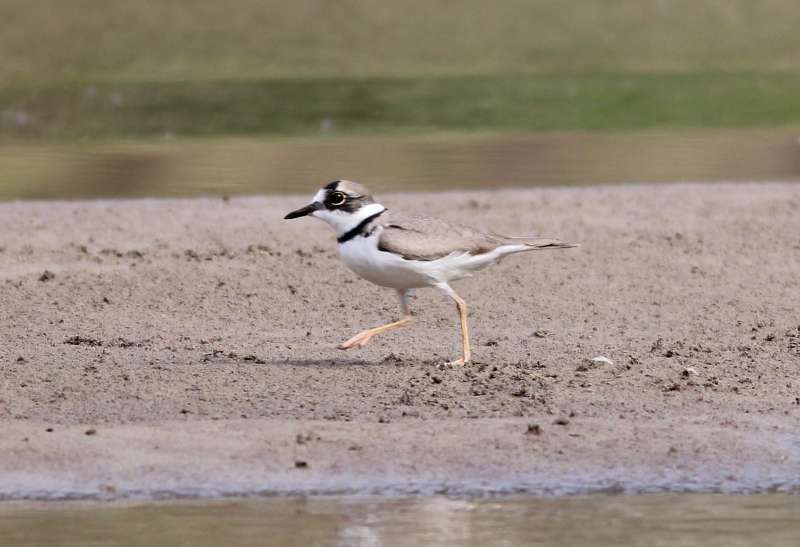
x: 253, y: 166
x: 658, y: 519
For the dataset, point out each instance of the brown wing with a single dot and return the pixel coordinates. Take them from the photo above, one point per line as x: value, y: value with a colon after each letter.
x: 432, y: 238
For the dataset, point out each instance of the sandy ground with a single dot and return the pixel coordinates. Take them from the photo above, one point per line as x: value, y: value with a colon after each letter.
x: 188, y: 347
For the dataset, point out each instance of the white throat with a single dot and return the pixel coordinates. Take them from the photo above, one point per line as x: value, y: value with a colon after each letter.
x: 342, y: 221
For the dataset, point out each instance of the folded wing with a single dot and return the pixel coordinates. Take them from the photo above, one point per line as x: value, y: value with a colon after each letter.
x: 418, y: 238
x: 431, y: 238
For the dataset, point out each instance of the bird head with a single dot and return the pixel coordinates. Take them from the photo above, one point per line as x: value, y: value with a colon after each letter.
x: 342, y: 203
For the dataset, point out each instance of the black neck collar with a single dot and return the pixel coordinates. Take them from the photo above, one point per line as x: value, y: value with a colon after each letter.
x: 350, y: 234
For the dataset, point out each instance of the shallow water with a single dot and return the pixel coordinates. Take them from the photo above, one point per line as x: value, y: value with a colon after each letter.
x: 652, y: 520
x: 252, y: 166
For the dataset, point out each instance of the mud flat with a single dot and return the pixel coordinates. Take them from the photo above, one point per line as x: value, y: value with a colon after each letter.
x: 156, y: 348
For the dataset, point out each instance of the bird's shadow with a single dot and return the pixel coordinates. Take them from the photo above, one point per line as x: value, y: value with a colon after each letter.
x: 324, y: 363
x: 390, y: 360
x: 351, y: 362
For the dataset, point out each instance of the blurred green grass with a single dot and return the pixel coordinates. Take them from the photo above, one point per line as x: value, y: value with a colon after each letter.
x: 402, y: 105
x: 205, y: 39
x: 100, y: 69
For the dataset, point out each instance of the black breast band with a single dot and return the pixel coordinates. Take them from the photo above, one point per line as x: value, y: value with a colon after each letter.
x: 359, y: 229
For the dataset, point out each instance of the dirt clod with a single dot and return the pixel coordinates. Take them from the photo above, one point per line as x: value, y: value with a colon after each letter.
x: 78, y: 340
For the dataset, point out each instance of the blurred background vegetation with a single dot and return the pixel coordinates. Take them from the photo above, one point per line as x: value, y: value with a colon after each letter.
x: 106, y: 98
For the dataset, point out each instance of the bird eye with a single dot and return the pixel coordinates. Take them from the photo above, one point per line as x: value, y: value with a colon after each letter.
x: 337, y: 198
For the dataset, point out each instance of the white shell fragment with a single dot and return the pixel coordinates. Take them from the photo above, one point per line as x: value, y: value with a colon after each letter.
x: 600, y: 360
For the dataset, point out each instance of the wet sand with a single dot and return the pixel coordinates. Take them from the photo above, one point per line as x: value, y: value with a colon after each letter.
x: 188, y: 347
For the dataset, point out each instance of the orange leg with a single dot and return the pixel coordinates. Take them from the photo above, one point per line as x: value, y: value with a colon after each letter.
x: 462, y: 314
x: 361, y: 339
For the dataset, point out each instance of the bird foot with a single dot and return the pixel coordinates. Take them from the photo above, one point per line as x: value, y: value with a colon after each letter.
x: 459, y: 362
x: 358, y: 341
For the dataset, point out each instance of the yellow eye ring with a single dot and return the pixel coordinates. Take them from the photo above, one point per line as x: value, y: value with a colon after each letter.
x: 337, y: 198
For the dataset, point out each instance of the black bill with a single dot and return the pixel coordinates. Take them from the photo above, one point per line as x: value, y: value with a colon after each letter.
x: 303, y: 211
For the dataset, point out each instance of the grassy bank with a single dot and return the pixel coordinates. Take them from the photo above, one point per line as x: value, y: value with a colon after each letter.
x: 101, y: 69
x: 206, y: 39
x: 400, y: 105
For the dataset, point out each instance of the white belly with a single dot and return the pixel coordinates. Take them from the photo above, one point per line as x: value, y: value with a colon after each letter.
x: 361, y: 254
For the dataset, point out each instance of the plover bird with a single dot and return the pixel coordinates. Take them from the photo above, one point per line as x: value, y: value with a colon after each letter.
x: 405, y: 253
